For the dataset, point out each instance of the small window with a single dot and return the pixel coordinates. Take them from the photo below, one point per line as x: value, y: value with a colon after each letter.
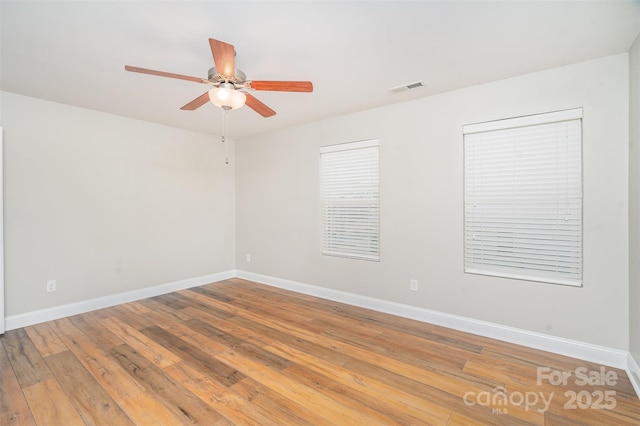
x: 350, y: 200
x: 523, y: 198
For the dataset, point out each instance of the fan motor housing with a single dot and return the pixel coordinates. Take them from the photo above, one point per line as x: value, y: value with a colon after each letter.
x: 215, y: 77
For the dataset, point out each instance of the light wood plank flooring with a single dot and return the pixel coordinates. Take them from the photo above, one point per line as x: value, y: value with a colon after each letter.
x: 237, y: 352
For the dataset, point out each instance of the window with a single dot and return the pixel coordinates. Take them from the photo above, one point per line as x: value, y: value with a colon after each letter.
x: 350, y: 200
x: 523, y: 198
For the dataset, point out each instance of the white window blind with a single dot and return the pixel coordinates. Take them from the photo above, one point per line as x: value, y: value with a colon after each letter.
x: 350, y: 200
x: 523, y: 198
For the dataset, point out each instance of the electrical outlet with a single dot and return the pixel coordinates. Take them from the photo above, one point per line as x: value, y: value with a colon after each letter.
x: 413, y: 285
x: 51, y: 286
x: 248, y: 258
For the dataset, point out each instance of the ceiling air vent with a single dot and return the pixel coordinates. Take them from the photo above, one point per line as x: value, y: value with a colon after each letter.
x: 405, y: 87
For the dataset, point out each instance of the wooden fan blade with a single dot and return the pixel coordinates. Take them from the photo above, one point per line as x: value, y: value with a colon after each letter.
x: 224, y: 57
x: 197, y: 102
x: 258, y: 106
x: 164, y: 74
x: 282, y: 86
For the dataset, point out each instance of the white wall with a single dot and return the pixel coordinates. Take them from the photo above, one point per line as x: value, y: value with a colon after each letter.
x: 277, y: 214
x: 634, y: 200
x: 105, y: 204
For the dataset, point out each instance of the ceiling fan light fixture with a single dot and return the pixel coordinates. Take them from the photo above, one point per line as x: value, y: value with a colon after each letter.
x: 227, y: 98
x: 229, y: 82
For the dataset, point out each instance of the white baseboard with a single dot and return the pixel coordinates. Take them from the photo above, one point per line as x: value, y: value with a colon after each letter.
x: 633, y: 371
x: 30, y: 318
x: 586, y: 351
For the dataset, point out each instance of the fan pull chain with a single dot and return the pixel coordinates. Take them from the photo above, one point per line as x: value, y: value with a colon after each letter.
x: 224, y: 136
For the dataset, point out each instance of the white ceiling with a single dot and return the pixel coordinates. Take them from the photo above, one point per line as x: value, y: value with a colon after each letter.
x: 74, y: 52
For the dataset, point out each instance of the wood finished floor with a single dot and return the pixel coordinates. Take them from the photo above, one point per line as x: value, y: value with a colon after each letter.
x: 237, y: 352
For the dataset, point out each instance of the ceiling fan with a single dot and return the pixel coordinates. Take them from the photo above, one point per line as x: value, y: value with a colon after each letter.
x: 230, y: 85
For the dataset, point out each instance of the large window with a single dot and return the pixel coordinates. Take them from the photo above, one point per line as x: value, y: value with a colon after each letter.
x: 523, y: 198
x: 350, y: 200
